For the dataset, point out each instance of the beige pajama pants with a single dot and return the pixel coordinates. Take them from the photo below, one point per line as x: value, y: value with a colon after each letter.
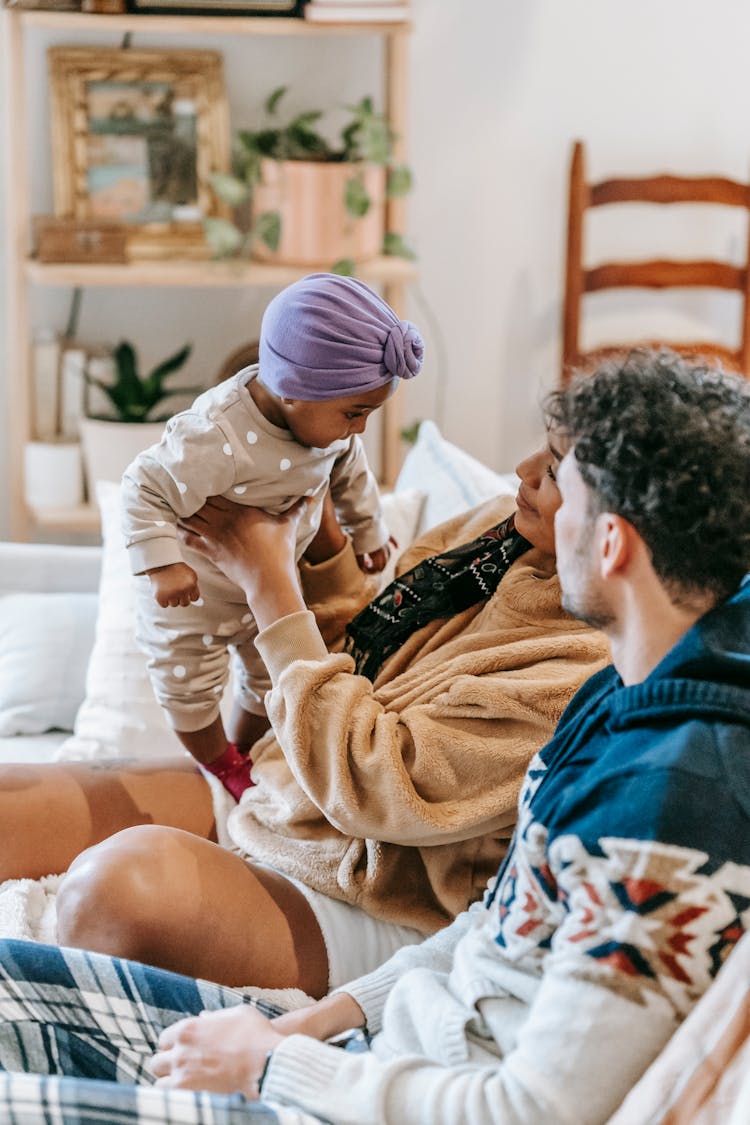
x: 189, y: 649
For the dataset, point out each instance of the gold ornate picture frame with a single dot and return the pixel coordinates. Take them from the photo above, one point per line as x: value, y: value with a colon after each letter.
x: 136, y: 134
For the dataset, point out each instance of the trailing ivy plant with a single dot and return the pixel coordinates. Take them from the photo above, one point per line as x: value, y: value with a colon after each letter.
x: 367, y: 138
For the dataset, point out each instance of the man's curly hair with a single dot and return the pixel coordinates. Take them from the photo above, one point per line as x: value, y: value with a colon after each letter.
x: 664, y: 442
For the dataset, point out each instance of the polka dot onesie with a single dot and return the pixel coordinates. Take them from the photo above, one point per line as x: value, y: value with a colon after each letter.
x: 224, y: 446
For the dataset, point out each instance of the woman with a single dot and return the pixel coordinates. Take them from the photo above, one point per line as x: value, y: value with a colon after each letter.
x: 381, y: 809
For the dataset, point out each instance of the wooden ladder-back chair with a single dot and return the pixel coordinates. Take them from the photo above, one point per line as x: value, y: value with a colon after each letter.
x: 656, y: 274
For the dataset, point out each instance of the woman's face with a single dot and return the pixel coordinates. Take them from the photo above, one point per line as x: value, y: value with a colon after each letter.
x: 538, y: 497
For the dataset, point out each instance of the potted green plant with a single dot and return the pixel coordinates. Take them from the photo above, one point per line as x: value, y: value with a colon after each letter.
x: 111, y: 440
x: 311, y: 202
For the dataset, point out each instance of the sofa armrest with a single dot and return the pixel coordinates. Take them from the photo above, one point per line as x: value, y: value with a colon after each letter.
x: 47, y: 568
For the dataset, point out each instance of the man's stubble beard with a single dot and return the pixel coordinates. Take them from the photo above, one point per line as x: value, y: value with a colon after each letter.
x: 585, y: 603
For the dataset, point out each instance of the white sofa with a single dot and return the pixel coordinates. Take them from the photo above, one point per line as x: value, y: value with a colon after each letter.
x: 31, y: 569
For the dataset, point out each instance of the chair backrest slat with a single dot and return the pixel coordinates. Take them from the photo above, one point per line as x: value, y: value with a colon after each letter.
x: 671, y: 189
x: 663, y: 274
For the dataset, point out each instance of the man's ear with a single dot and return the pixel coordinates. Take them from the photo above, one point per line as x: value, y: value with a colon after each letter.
x: 615, y: 537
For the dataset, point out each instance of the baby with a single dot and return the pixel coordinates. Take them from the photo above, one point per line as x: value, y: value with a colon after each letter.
x: 331, y: 352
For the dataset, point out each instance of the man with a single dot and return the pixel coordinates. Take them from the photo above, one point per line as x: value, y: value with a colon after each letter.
x: 628, y: 883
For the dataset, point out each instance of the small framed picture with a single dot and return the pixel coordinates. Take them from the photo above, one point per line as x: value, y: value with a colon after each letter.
x: 219, y: 7
x: 136, y: 135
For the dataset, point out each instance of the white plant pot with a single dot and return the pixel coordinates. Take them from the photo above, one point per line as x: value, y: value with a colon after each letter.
x: 53, y: 474
x: 109, y: 447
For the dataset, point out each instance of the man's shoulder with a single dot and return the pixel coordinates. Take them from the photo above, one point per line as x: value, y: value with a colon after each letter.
x: 679, y: 780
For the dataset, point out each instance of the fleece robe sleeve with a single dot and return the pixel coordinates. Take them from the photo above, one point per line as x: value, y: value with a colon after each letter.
x: 446, y: 767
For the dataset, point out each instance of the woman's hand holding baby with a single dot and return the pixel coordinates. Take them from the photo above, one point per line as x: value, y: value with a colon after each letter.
x: 175, y: 584
x: 254, y: 549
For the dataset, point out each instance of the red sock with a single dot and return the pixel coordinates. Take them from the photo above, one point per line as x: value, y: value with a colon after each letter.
x: 233, y: 770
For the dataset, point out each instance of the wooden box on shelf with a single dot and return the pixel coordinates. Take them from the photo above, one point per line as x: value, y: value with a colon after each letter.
x: 80, y: 240
x: 218, y: 7
x: 168, y: 242
x: 52, y: 5
x: 107, y: 7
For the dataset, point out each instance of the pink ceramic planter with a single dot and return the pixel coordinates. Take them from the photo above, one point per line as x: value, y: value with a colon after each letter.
x: 316, y: 229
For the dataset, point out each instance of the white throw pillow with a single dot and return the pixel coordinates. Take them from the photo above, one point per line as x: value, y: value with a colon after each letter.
x: 452, y: 480
x: 402, y: 513
x: 45, y: 641
x: 119, y: 718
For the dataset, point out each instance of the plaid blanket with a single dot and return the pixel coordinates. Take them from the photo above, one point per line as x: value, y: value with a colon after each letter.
x: 77, y: 1031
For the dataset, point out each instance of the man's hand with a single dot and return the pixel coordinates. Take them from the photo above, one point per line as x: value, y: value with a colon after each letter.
x: 175, y: 584
x: 222, y: 1052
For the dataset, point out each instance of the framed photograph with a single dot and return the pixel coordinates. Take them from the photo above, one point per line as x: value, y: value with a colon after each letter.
x: 219, y: 7
x: 135, y: 136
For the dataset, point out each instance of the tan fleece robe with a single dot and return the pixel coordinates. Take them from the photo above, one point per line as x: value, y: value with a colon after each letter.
x: 400, y: 797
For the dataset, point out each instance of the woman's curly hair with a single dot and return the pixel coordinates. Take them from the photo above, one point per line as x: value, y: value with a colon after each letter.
x: 664, y: 442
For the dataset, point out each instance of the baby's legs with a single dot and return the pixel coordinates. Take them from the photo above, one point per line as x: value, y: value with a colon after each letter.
x: 206, y: 744
x: 224, y: 759
x: 188, y: 649
x: 245, y: 728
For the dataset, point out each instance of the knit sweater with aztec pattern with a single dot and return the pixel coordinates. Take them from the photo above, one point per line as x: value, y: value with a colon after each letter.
x: 627, y: 886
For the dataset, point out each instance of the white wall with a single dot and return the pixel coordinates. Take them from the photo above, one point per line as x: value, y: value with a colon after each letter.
x: 499, y: 91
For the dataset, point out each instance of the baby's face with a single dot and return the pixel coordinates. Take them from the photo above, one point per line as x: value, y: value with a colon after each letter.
x: 319, y: 424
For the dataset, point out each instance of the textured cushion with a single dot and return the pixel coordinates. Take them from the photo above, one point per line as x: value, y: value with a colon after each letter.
x: 402, y: 513
x: 45, y: 640
x: 452, y: 480
x: 702, y: 1076
x: 119, y: 716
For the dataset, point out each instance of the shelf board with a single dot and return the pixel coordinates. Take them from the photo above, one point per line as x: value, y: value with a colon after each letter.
x: 206, y: 274
x: 200, y: 25
x: 84, y: 518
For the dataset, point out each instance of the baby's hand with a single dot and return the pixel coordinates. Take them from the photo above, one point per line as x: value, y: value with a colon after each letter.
x: 175, y: 584
x: 374, y: 561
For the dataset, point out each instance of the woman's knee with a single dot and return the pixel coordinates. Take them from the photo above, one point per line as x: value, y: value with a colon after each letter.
x: 111, y: 900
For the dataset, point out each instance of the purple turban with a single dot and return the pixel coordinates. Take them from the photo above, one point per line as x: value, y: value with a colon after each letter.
x: 328, y: 336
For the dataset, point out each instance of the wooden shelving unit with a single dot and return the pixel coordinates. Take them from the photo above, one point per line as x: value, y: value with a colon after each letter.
x: 24, y: 272
x: 210, y: 274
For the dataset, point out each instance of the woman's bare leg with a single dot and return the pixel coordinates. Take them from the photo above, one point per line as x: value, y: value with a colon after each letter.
x: 168, y: 898
x: 50, y: 813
